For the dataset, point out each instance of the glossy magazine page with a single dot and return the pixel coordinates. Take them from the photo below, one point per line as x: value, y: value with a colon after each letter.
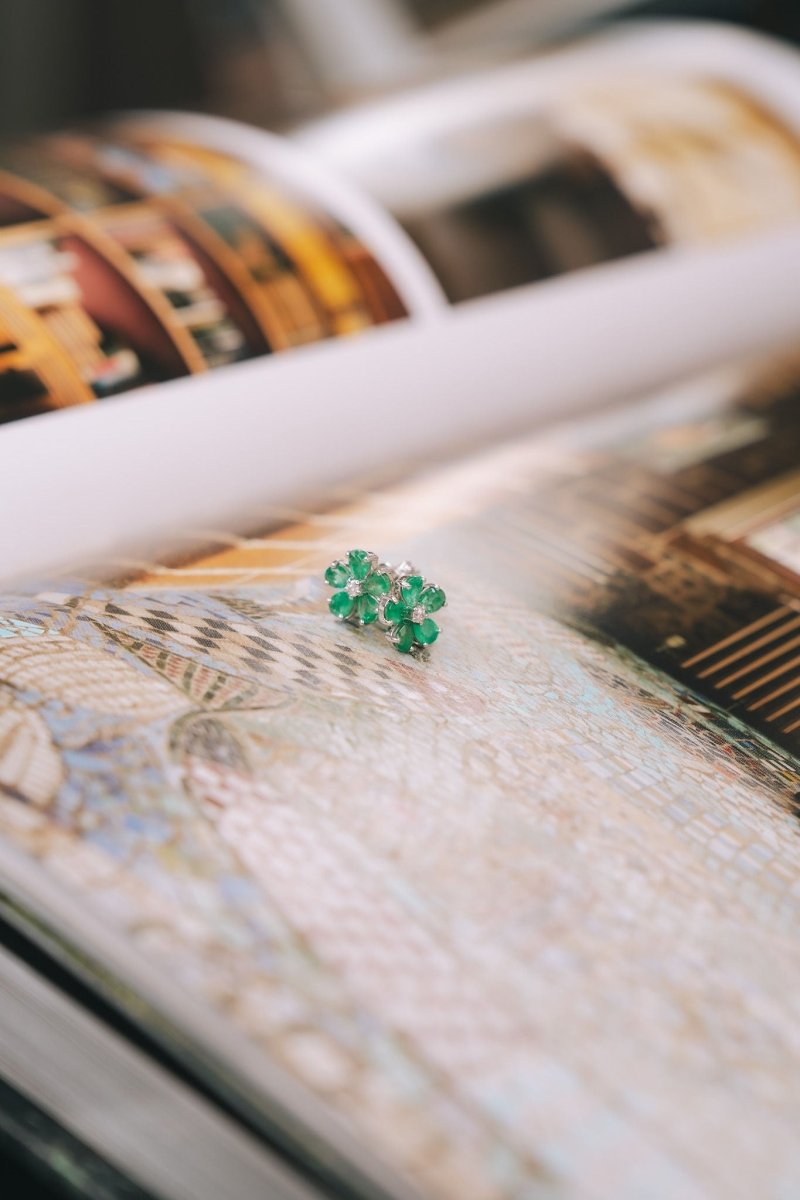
x: 632, y: 198
x: 517, y: 907
x: 407, y: 764
x: 129, y: 259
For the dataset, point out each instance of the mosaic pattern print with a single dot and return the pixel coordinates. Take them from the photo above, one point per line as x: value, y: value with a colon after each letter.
x: 681, y: 545
x: 524, y: 914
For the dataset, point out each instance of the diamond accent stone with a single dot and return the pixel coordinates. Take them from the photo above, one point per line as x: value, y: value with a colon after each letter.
x: 418, y: 614
x: 353, y: 587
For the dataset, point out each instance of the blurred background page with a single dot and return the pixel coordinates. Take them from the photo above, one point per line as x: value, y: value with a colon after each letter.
x: 555, y: 206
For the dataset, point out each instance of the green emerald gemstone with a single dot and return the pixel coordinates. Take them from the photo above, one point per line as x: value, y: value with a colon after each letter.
x: 426, y: 632
x: 403, y: 637
x: 360, y: 563
x: 410, y: 589
x: 337, y: 575
x: 395, y: 612
x: 341, y: 605
x: 366, y: 609
x: 432, y: 599
x: 377, y: 584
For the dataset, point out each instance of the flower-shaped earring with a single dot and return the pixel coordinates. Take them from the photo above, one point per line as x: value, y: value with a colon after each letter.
x: 399, y: 599
x: 406, y: 613
x: 360, y: 582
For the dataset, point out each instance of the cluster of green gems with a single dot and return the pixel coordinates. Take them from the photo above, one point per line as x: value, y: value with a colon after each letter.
x: 366, y: 591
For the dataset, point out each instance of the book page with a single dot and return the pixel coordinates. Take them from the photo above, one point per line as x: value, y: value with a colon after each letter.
x: 517, y: 912
x: 130, y: 257
x: 207, y: 451
x: 154, y: 272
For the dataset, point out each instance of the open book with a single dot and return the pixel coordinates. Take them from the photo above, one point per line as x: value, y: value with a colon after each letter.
x: 284, y: 911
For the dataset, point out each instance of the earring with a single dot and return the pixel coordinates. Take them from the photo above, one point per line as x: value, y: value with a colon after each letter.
x: 406, y: 613
x: 398, y: 598
x: 360, y: 582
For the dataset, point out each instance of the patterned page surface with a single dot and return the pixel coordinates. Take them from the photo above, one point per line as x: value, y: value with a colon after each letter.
x: 522, y: 912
